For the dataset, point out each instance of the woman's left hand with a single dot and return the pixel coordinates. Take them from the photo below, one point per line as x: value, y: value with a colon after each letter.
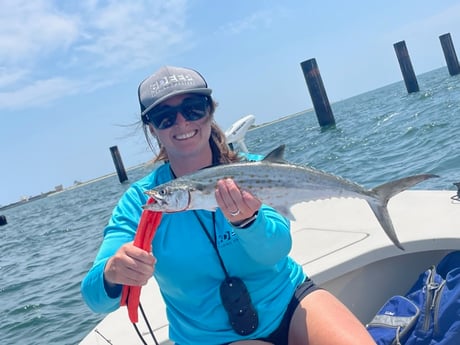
x: 236, y: 204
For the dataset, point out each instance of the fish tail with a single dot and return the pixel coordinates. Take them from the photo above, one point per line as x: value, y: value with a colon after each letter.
x: 384, y: 193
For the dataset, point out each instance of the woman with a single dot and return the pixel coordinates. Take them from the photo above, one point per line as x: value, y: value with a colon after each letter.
x: 225, y: 276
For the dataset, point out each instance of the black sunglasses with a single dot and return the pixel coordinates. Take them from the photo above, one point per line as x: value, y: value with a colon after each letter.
x: 191, y: 108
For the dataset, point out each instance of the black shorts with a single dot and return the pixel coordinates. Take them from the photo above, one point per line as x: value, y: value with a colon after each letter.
x: 280, y: 335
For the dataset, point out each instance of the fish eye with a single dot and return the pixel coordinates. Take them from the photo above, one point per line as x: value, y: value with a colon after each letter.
x: 162, y: 192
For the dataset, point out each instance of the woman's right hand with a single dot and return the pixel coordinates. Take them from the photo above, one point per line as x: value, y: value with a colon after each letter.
x: 129, y: 266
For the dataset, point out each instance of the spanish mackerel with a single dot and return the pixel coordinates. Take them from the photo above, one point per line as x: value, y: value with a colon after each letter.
x: 279, y: 184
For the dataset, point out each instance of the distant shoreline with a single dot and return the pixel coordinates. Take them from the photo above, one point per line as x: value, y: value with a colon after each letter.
x: 280, y: 119
x: 80, y: 184
x: 74, y: 186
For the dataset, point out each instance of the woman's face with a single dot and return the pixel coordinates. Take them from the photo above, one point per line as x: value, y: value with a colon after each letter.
x: 184, y: 138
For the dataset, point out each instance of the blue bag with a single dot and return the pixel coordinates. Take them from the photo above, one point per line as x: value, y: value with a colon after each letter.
x: 429, y: 314
x: 394, y: 321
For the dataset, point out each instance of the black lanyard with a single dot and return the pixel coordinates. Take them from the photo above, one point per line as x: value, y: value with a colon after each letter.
x: 213, y: 242
x: 234, y: 294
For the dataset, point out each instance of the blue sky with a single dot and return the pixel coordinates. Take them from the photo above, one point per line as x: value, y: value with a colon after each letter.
x: 69, y: 70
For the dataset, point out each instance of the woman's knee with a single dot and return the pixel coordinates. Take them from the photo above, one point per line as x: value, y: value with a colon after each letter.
x: 321, y: 319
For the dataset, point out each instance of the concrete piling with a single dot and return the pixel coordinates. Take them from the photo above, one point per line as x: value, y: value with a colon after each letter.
x: 406, y: 67
x: 118, y: 164
x: 449, y: 54
x: 317, y: 93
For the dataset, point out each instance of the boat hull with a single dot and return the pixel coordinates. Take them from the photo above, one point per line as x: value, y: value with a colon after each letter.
x: 342, y: 248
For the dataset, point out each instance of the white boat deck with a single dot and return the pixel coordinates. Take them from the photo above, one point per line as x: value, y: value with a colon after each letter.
x: 343, y: 248
x: 346, y: 233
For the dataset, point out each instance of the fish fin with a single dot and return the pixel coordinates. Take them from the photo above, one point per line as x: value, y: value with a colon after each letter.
x: 384, y: 192
x: 381, y: 212
x: 276, y: 156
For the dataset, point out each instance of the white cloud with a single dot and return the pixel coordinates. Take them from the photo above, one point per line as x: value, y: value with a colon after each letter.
x: 262, y: 18
x: 8, y: 77
x: 31, y: 29
x: 133, y: 34
x: 38, y: 93
x: 53, y: 48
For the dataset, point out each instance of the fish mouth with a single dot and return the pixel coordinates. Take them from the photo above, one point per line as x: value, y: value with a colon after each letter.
x: 161, y: 202
x: 157, y: 197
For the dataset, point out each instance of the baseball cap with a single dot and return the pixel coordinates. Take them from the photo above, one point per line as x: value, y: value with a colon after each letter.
x: 169, y: 81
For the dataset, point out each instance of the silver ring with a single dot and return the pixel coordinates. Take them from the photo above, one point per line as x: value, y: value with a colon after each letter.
x: 234, y: 214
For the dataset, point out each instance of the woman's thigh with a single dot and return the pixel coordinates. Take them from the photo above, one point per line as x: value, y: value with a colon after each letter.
x: 321, y: 319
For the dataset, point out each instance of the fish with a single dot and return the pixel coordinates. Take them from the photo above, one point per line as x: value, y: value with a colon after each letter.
x: 279, y: 184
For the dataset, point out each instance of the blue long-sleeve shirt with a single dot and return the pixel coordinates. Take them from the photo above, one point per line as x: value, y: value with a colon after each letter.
x: 188, y: 270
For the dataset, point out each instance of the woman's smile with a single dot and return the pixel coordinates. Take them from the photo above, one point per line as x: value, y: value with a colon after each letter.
x: 185, y: 136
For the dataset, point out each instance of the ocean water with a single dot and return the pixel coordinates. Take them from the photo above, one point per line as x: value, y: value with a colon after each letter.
x: 49, y: 244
